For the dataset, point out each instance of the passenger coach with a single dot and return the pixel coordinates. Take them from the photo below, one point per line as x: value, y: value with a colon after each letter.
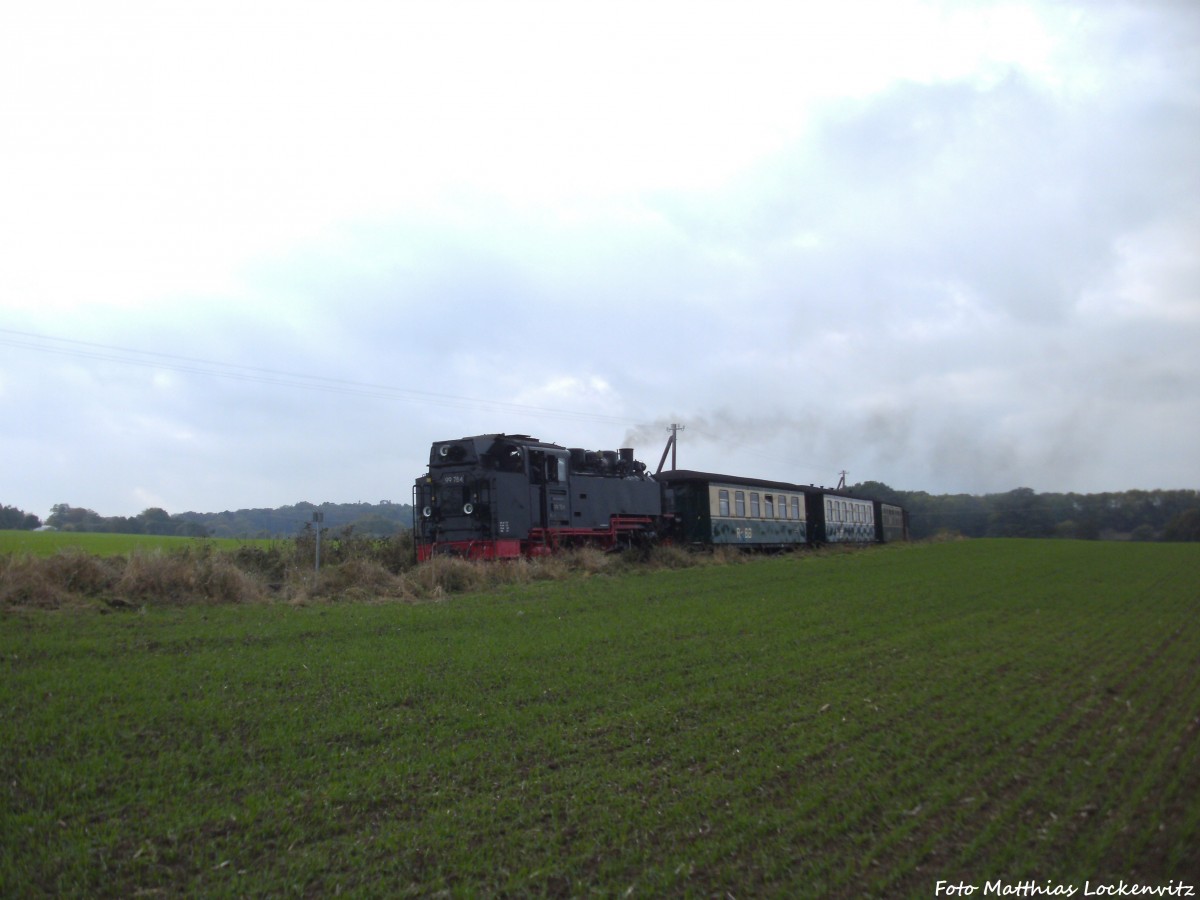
x: 711, y: 509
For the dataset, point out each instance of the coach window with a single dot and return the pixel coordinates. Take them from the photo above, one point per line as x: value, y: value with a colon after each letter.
x: 769, y: 500
x: 754, y: 510
x: 723, y: 503
x: 783, y: 508
x: 795, y: 507
x: 739, y: 502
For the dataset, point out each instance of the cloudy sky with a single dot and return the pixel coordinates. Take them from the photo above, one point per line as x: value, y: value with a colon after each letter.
x: 253, y: 253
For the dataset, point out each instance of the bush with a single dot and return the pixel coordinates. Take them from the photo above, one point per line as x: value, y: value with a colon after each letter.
x: 67, y: 578
x: 360, y: 579
x: 446, y: 575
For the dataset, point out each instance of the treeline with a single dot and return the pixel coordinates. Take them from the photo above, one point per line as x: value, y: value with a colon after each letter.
x: 374, y: 519
x: 65, y: 517
x: 379, y: 520
x: 1125, y: 515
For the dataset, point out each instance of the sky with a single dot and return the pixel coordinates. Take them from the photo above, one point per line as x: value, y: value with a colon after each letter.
x: 255, y: 253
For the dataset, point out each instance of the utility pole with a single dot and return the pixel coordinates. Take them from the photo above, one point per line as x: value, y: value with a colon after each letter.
x: 672, y: 442
x: 842, y: 481
x: 318, y: 518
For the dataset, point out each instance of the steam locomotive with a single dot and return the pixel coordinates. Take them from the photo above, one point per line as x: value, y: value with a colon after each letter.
x: 509, y: 496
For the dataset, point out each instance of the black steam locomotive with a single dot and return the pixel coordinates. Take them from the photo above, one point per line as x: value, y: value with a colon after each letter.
x: 507, y: 496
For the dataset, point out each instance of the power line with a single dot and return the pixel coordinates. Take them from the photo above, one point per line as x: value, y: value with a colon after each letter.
x: 43, y: 343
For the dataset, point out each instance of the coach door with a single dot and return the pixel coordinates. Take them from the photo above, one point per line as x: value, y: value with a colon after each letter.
x: 549, y: 489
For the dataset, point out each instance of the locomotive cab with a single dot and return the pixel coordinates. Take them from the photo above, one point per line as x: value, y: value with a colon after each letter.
x: 476, y: 497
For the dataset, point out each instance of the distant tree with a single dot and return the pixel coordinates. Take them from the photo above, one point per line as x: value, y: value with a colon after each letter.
x: 375, y: 526
x: 966, y: 514
x: 1019, y: 513
x: 1184, y: 527
x: 877, y: 490
x: 1143, y: 532
x: 156, y: 521
x: 17, y: 519
x: 190, y: 529
x: 123, y: 525
x: 65, y: 517
x: 1068, y: 528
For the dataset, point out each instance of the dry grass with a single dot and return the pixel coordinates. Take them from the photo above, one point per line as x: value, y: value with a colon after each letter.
x: 68, y: 579
x: 353, y: 569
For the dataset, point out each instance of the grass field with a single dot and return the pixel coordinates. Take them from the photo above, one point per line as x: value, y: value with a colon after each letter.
x: 47, y: 543
x: 850, y: 725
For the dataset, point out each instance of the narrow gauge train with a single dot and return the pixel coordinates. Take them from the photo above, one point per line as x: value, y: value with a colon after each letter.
x: 507, y: 496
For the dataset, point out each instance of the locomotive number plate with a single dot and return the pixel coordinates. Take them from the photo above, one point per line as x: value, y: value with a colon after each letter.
x: 454, y: 479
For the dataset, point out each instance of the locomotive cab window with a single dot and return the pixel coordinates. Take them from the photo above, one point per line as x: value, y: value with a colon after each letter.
x: 506, y: 457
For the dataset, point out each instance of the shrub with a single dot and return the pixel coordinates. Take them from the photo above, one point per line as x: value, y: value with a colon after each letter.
x: 269, y: 562
x: 68, y: 577
x: 359, y: 579
x: 25, y: 582
x: 447, y: 575
x: 219, y: 580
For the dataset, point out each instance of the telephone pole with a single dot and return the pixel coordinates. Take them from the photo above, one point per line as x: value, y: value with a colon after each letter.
x: 672, y: 441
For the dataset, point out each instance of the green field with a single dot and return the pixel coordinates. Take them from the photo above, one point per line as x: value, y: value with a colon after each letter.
x: 47, y: 543
x: 853, y: 725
